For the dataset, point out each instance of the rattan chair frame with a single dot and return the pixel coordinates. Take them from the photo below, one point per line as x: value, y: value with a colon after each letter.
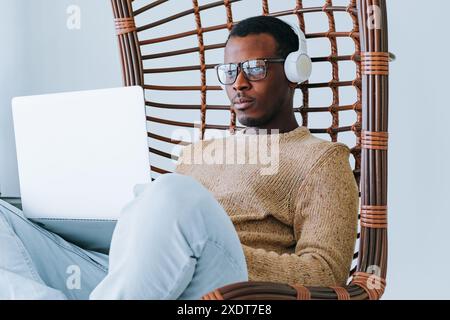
x: 367, y: 280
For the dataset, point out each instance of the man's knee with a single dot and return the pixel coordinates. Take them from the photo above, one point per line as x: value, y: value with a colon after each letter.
x: 171, y: 186
x: 171, y: 194
x: 176, y: 179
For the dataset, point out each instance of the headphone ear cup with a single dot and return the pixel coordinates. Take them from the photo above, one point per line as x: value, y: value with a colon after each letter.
x: 304, y: 64
x: 298, y: 67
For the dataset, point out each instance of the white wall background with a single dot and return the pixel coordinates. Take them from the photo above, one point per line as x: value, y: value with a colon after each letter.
x: 11, y: 83
x: 419, y: 175
x: 43, y: 56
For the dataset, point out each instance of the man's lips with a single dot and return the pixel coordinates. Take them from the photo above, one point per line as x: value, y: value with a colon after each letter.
x: 243, y: 103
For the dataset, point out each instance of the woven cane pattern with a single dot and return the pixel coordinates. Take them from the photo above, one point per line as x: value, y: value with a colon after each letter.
x: 158, y: 55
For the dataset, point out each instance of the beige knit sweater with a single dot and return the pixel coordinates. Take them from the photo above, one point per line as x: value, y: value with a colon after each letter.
x: 297, y: 225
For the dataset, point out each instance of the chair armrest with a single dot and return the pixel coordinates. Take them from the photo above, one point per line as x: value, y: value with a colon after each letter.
x: 363, y: 286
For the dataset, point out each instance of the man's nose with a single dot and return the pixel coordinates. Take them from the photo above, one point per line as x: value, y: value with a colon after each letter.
x: 241, y: 82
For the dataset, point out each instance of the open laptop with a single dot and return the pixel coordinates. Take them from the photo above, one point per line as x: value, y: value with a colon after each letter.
x: 80, y: 156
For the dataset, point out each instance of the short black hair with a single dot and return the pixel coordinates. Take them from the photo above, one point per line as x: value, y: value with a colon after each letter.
x: 283, y: 33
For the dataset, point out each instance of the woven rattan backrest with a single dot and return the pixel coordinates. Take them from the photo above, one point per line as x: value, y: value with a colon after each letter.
x: 348, y: 91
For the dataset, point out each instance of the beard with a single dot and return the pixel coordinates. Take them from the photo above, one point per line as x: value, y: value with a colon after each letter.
x: 250, y: 121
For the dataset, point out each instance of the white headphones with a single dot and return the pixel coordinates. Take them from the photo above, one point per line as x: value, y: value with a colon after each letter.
x: 298, y: 65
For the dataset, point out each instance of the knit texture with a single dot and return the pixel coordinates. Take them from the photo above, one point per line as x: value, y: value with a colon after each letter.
x: 297, y: 225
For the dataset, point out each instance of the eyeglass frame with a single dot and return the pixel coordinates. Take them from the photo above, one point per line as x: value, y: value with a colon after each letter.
x: 239, y: 68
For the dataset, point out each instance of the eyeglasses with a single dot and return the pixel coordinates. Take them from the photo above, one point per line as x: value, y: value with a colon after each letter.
x: 254, y: 70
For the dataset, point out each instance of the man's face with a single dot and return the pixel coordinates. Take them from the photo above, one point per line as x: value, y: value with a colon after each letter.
x: 257, y: 102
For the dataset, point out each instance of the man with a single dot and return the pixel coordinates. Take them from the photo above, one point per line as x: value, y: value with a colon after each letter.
x: 216, y: 222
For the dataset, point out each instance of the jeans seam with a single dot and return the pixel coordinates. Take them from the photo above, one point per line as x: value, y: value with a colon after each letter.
x: 230, y: 258
x: 226, y: 252
x: 176, y: 282
x: 217, y: 244
x: 44, y: 232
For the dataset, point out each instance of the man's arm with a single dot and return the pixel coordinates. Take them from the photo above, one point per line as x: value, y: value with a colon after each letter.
x: 325, y: 226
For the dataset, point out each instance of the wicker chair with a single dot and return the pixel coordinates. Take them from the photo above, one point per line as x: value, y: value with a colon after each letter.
x: 370, y: 60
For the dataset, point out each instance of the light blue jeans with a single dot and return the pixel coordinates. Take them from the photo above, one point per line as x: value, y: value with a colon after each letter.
x: 173, y: 241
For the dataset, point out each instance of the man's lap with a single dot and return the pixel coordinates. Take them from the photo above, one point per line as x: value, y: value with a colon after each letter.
x: 57, y: 263
x: 76, y: 272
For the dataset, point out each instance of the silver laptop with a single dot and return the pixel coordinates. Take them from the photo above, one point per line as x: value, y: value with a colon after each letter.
x: 80, y: 156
